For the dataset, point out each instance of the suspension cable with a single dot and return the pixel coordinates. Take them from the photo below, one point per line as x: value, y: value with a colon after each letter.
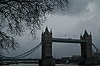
x: 97, y: 50
x: 30, y: 51
x: 26, y: 53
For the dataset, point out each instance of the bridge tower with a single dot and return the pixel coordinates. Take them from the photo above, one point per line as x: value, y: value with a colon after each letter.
x: 47, y: 58
x: 86, y: 49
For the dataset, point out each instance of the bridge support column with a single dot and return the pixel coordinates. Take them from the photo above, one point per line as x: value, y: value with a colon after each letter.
x: 86, y: 50
x: 47, y: 58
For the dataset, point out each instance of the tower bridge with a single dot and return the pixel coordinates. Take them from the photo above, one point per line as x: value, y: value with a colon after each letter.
x: 47, y: 59
x: 85, y: 43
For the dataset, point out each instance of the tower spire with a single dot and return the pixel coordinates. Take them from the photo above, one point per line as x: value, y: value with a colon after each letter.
x: 81, y: 35
x: 51, y: 31
x: 85, y: 34
x: 90, y: 34
x: 46, y: 30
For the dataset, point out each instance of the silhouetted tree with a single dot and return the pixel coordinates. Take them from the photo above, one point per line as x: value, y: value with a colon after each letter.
x: 19, y: 16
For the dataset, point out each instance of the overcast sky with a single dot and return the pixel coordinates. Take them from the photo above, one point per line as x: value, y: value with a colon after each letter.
x: 80, y: 15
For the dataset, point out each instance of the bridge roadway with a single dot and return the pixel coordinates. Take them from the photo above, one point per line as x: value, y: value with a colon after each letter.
x: 17, y: 61
x: 27, y: 61
x: 69, y: 40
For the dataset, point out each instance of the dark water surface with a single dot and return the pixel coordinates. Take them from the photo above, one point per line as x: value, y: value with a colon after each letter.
x: 56, y: 65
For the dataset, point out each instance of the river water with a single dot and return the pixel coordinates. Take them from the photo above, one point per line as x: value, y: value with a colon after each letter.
x: 37, y: 65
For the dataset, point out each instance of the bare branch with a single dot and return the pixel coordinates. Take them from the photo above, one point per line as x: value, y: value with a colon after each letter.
x: 18, y: 16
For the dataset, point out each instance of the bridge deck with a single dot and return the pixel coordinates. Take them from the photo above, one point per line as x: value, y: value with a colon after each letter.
x: 68, y: 40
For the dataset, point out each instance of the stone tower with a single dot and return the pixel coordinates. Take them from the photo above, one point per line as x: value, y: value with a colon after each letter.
x: 86, y: 49
x: 47, y: 58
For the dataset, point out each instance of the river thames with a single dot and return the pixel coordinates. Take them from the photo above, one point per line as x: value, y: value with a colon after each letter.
x: 38, y: 65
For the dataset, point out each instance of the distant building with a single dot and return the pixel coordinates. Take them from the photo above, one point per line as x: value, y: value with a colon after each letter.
x: 76, y: 56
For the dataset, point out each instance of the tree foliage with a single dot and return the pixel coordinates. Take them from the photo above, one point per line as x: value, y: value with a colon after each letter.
x: 18, y: 16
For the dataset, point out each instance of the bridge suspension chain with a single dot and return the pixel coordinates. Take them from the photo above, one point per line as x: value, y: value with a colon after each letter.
x: 97, y: 50
x: 29, y: 52
x: 24, y: 54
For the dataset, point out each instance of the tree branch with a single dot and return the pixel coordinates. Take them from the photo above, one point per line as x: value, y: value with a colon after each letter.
x: 20, y: 1
x: 18, y: 16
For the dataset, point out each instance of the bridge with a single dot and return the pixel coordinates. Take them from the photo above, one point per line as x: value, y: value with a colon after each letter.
x: 62, y: 40
x: 88, y: 56
x: 18, y: 61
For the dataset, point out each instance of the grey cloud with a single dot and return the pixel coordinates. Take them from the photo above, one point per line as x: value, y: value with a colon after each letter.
x: 87, y: 12
x: 81, y: 18
x: 76, y: 7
